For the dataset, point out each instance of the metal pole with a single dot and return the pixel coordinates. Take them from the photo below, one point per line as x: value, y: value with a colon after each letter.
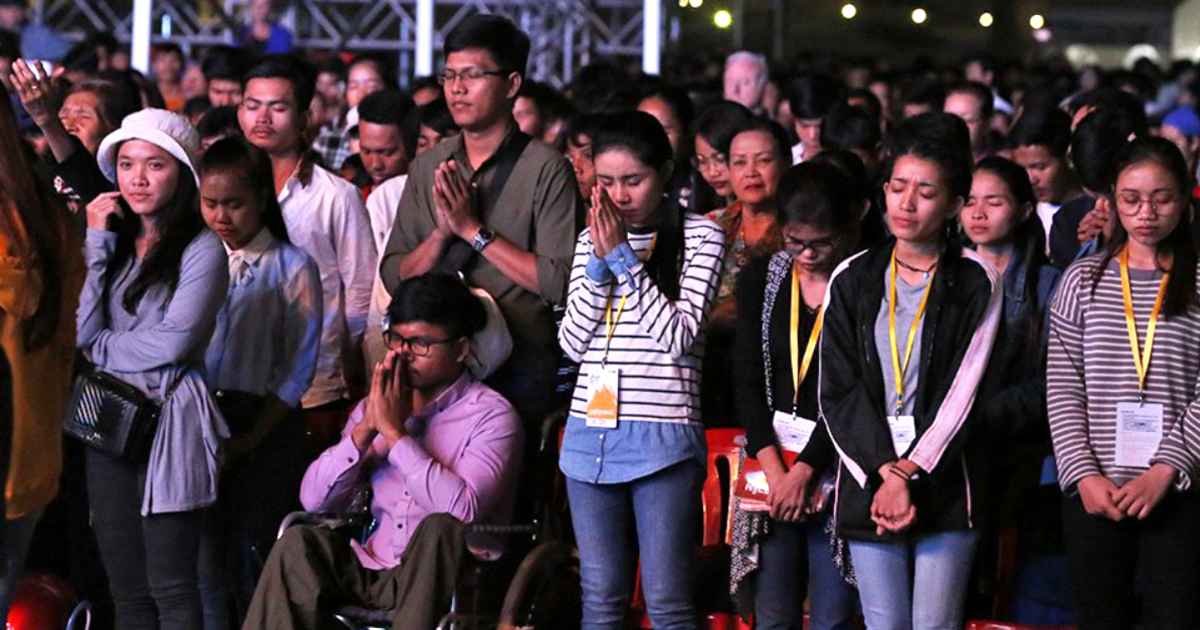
x: 651, y: 36
x: 140, y: 48
x: 424, y: 51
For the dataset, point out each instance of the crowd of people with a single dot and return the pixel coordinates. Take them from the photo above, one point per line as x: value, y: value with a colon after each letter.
x: 951, y: 308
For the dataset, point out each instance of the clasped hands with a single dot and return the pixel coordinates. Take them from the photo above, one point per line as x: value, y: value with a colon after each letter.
x: 605, y: 225
x: 1135, y: 499
x: 389, y: 403
x: 892, y: 508
x: 454, y: 202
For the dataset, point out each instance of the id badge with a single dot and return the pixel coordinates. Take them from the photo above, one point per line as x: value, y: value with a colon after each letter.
x: 1139, y: 430
x: 904, y: 432
x: 792, y: 431
x: 604, y: 389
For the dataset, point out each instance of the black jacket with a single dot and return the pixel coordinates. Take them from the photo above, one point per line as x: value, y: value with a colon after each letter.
x: 852, y: 390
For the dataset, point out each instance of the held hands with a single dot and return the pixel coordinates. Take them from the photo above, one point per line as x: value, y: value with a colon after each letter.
x: 892, y: 508
x: 104, y: 207
x: 453, y: 199
x: 35, y: 91
x: 1137, y: 498
x: 788, y: 493
x: 604, y: 223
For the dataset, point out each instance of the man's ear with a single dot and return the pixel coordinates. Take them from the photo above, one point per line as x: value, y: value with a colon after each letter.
x: 515, y: 81
x: 464, y: 350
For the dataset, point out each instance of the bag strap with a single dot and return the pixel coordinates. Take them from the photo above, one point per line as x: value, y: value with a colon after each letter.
x: 460, y: 254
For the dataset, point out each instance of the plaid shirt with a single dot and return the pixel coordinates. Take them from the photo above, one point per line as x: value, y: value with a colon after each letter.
x: 333, y: 145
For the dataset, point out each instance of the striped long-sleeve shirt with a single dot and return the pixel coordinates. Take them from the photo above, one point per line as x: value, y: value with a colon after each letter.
x: 1090, y: 370
x: 657, y: 342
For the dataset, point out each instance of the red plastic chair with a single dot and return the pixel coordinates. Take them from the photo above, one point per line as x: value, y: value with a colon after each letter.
x: 717, y: 520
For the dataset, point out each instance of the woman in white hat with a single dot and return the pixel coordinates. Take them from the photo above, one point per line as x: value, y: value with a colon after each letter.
x: 156, y: 279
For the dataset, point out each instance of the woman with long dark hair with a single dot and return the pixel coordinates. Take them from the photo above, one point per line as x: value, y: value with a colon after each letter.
x: 780, y: 303
x: 715, y: 128
x: 643, y: 278
x: 156, y: 279
x: 909, y: 326
x: 1121, y: 393
x: 41, y: 270
x: 260, y: 361
x: 1001, y: 221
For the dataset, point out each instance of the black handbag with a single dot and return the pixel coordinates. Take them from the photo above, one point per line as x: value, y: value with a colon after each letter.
x: 113, y: 416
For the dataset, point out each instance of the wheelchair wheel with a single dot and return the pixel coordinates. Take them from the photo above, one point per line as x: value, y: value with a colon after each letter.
x: 545, y: 593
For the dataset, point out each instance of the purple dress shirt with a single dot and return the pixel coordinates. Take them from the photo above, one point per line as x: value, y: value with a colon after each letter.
x: 462, y: 457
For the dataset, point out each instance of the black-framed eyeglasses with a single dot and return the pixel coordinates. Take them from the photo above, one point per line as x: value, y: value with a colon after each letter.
x: 800, y: 246
x: 417, y: 346
x: 469, y: 76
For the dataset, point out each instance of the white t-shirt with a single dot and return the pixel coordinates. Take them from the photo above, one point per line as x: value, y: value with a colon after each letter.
x: 1045, y: 213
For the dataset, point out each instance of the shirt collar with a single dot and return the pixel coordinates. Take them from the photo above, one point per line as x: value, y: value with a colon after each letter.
x: 448, y: 397
x: 252, y: 251
x: 303, y: 173
x: 459, y: 152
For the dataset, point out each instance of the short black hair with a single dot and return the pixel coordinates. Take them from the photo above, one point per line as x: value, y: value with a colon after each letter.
x: 812, y: 96
x: 981, y: 92
x: 223, y: 63
x: 219, y: 121
x: 677, y: 99
x: 507, y: 44
x: 421, y: 83
x: 1049, y: 127
x: 440, y: 299
x: 1096, y: 141
x: 392, y: 107
x: 720, y: 122
x: 333, y: 66
x: 196, y: 106
x: 848, y: 127
x: 870, y: 102
x: 10, y: 45
x: 169, y: 47
x: 928, y: 92
x: 436, y: 116
x: 289, y: 68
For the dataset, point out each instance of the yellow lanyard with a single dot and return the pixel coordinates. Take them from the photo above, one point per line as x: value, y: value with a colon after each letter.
x: 610, y: 324
x: 898, y: 368
x: 800, y: 367
x: 1141, y: 360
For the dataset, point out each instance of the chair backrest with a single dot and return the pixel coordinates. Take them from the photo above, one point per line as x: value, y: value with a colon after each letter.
x: 715, y: 496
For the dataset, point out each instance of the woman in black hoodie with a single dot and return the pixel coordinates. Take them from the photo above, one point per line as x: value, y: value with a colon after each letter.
x: 909, y: 327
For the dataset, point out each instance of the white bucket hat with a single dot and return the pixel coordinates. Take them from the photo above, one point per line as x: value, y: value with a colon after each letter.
x: 166, y: 130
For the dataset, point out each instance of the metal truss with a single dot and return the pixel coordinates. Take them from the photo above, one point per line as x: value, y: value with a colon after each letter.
x: 565, y: 34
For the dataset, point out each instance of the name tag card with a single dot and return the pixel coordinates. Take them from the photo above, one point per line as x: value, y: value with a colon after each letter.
x: 904, y: 432
x: 1139, y: 430
x: 604, y: 388
x: 793, y: 432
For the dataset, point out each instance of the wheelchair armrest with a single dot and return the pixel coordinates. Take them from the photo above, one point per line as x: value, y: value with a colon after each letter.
x: 330, y: 520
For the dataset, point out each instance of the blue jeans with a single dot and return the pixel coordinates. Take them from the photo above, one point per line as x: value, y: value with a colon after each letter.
x: 658, y: 516
x: 914, y: 585
x: 18, y: 533
x: 779, y: 586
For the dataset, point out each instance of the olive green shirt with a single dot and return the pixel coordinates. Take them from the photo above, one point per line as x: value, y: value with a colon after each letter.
x: 535, y: 212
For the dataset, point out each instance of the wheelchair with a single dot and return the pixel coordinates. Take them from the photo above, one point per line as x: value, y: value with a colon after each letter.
x: 534, y: 584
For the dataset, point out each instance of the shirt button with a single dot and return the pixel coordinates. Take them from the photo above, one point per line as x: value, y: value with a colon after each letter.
x: 597, y: 460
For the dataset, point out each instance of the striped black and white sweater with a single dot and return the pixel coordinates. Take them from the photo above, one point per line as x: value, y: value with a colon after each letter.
x: 657, y: 343
x: 1090, y: 369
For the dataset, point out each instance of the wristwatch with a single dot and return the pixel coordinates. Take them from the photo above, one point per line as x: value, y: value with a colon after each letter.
x: 483, y: 238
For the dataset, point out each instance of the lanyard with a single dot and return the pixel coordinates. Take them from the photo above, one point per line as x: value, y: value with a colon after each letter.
x: 611, y: 324
x: 898, y: 368
x: 799, y: 366
x: 1141, y: 360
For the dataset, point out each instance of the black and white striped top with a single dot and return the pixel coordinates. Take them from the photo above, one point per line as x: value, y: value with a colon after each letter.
x: 657, y: 343
x: 1090, y: 369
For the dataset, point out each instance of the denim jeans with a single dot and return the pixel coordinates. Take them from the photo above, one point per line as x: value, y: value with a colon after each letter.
x: 779, y: 586
x: 914, y: 585
x: 151, y: 561
x: 18, y: 534
x: 657, y: 516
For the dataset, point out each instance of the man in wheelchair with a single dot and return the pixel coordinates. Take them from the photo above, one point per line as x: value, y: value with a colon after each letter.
x: 439, y: 449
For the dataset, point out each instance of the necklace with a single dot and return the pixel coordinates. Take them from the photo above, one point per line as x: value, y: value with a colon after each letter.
x: 924, y: 272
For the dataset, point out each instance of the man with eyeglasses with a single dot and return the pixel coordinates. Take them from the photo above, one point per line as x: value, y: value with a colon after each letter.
x: 494, y: 205
x: 439, y: 450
